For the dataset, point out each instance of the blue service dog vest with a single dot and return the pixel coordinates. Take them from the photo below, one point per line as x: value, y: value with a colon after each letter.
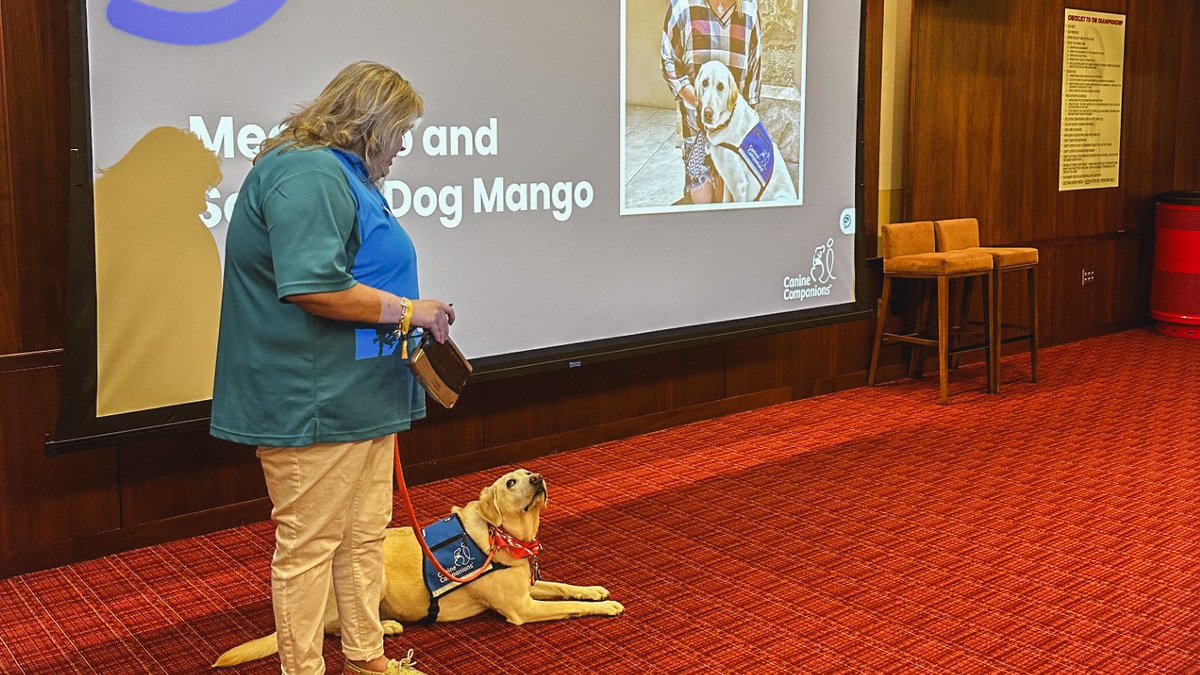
x: 457, y: 553
x: 758, y: 152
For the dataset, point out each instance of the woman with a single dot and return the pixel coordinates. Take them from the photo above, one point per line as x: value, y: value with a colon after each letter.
x: 694, y: 33
x: 318, y: 277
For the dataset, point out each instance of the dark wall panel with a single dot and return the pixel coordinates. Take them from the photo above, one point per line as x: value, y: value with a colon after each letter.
x: 1152, y: 89
x: 47, y: 499
x: 177, y: 475
x: 982, y: 116
x: 1187, y: 159
x: 33, y: 236
x: 984, y: 123
x: 10, y: 338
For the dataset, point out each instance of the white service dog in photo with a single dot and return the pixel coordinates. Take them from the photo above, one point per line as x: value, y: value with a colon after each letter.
x: 742, y: 151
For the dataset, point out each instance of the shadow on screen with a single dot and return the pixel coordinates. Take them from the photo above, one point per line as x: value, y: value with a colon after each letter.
x: 158, y: 275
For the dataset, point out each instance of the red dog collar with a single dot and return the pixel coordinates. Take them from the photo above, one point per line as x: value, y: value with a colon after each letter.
x: 503, y: 540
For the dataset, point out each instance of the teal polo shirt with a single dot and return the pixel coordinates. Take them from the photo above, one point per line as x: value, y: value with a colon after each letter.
x: 309, y: 221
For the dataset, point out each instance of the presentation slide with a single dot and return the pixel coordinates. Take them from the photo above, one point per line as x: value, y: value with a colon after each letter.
x: 585, y: 171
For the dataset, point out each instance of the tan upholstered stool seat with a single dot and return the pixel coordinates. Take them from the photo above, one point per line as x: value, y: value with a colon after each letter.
x: 950, y: 262
x: 1010, y: 256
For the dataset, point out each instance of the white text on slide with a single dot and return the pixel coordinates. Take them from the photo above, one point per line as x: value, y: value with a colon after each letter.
x: 495, y: 195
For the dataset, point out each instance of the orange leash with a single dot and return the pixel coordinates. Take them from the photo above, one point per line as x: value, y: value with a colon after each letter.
x: 416, y: 525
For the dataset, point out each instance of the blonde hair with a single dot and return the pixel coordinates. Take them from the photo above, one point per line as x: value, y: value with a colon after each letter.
x: 364, y: 109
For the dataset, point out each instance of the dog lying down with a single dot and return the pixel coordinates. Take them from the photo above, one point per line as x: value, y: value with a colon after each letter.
x: 506, y: 516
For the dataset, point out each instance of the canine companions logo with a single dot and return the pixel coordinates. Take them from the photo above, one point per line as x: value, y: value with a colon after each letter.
x: 818, y: 282
x: 822, y: 263
x: 191, y: 28
x: 462, y: 556
x: 463, y: 560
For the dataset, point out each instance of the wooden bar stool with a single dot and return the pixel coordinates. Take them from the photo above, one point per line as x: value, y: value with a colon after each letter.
x: 962, y: 234
x: 910, y: 252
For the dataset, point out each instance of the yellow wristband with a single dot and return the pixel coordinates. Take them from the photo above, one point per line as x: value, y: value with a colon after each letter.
x: 405, y: 315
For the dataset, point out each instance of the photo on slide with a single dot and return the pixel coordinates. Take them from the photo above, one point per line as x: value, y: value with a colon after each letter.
x: 712, y: 104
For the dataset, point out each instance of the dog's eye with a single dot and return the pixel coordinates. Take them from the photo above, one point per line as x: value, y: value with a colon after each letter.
x: 511, y: 482
x: 720, y: 86
x: 704, y: 82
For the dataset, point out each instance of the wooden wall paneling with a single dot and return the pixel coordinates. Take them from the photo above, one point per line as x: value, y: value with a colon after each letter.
x: 187, y: 473
x: 47, y: 499
x: 1060, y: 288
x: 551, y: 403
x: 545, y: 404
x: 1113, y: 297
x: 1098, y: 255
x: 853, y: 344
x: 1130, y: 289
x: 10, y: 335
x: 1187, y: 145
x: 1031, y: 153
x: 787, y: 360
x: 699, y: 375
x: 978, y: 140
x: 446, y: 433
x: 872, y: 86
x: 38, y: 109
x: 756, y: 364
x: 1152, y: 89
x: 641, y: 386
x: 1088, y: 212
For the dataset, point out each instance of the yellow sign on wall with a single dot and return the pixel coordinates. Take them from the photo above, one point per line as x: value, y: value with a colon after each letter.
x: 1093, y: 73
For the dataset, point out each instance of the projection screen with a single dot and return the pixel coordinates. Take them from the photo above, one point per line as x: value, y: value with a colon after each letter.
x: 546, y: 190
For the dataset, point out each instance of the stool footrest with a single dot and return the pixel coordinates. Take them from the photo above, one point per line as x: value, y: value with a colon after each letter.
x: 911, y: 338
x: 1016, y: 338
x: 916, y: 339
x: 966, y: 348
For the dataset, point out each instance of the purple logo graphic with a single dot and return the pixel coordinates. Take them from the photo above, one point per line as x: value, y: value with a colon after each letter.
x: 191, y: 28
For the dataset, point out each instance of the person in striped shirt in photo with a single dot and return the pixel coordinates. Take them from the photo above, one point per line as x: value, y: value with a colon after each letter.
x: 694, y: 33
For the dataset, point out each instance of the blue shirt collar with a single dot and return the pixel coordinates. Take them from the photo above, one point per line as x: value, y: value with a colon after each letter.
x: 354, y: 160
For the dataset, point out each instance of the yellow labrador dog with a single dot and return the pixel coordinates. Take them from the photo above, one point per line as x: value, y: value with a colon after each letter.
x: 505, y: 517
x: 742, y: 151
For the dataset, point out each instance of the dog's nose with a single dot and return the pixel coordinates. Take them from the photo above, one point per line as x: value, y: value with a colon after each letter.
x: 536, y: 480
x: 708, y: 114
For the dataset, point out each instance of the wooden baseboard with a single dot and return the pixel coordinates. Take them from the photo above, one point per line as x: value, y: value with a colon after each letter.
x: 66, y: 551
x: 832, y: 385
x: 522, y: 451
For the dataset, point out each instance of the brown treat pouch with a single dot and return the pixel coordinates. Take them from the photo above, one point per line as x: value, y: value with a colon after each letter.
x: 441, y: 369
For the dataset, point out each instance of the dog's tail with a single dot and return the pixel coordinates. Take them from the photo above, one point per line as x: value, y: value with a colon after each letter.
x: 250, y: 651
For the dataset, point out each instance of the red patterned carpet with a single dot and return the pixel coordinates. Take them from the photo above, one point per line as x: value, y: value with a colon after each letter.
x: 1053, y: 529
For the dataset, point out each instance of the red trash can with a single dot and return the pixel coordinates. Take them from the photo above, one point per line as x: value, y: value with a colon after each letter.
x: 1175, y: 287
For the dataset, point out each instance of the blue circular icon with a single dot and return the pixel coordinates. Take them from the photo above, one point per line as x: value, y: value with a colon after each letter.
x: 191, y: 28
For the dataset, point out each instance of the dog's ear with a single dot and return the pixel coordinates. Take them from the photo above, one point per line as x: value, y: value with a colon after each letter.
x: 733, y: 98
x: 489, y: 508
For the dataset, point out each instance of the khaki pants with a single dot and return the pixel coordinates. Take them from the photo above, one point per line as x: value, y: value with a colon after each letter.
x: 331, y: 505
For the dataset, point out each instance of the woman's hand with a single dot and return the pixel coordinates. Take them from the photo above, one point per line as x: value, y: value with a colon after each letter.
x: 434, y: 316
x: 688, y: 94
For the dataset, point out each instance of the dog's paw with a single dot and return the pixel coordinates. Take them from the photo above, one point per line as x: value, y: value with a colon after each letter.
x: 391, y: 628
x: 612, y: 608
x: 594, y: 593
